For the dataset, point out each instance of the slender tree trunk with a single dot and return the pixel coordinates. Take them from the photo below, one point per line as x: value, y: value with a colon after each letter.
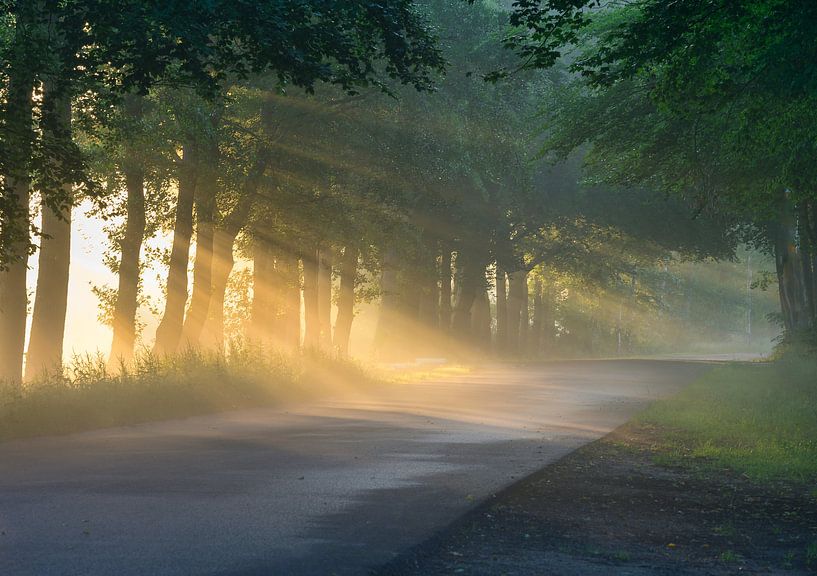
x: 169, y: 332
x: 309, y: 262
x: 445, y: 290
x: 202, y: 266
x: 325, y: 298
x: 524, y: 321
x: 127, y: 295
x: 289, y: 283
x: 51, y: 301
x: 468, y: 283
x: 516, y: 299
x: 13, y: 294
x: 538, y: 318
x: 806, y: 259
x: 501, y: 311
x: 15, y: 218
x: 481, y: 320
x: 790, y: 271
x: 223, y: 260
x: 548, y: 319
x: 461, y: 317
x: 429, y: 303
x: 813, y: 243
x: 222, y: 267
x: 262, y: 313
x: 389, y: 323
x: 346, y: 300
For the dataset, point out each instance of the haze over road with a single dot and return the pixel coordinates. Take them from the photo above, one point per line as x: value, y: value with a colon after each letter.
x: 335, y: 488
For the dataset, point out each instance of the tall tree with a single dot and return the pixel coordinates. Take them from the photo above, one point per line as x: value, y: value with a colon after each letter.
x: 51, y: 296
x: 127, y: 294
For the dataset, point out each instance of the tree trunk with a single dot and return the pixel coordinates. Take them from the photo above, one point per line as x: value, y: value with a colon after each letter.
x: 15, y: 219
x: 325, y: 298
x: 127, y: 295
x: 518, y: 314
x: 468, y: 284
x: 807, y: 249
x: 262, y: 312
x: 169, y: 332
x: 445, y: 290
x: 501, y: 311
x: 223, y: 260
x: 524, y: 321
x: 309, y: 261
x: 548, y: 319
x: 51, y: 300
x: 202, y: 266
x: 515, y: 301
x: 346, y: 300
x: 388, y: 323
x: 788, y: 264
x: 481, y: 320
x: 538, y: 318
x: 289, y: 283
x: 222, y: 266
x: 429, y: 302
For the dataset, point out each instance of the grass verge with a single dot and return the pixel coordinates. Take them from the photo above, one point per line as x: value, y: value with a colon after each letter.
x: 756, y: 419
x: 88, y: 395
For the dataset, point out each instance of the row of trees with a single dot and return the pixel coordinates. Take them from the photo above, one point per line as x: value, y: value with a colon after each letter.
x: 88, y: 64
x: 303, y: 138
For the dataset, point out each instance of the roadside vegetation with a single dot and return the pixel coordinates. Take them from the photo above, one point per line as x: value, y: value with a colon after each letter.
x: 755, y: 419
x: 91, y: 395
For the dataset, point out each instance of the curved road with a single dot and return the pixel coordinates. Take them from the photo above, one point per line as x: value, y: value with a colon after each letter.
x: 330, y: 489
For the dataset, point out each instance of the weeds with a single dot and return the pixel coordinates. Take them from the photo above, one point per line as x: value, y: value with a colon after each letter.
x: 88, y: 395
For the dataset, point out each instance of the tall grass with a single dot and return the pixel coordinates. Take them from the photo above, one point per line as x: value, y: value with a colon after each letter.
x: 757, y: 419
x: 88, y: 395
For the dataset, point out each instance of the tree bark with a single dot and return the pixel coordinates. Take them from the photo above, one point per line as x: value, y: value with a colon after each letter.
x: 223, y: 243
x: 481, y: 320
x: 517, y: 288
x: 262, y: 313
x: 524, y: 321
x: 51, y: 300
x: 169, y: 332
x: 309, y: 262
x: 501, y: 311
x: 806, y: 259
x: 467, y: 282
x: 445, y: 290
x: 222, y: 266
x: 289, y: 283
x: 127, y: 295
x: 788, y: 264
x: 346, y: 300
x: 325, y: 298
x: 15, y: 218
x: 389, y: 323
x: 202, y: 266
x: 538, y: 318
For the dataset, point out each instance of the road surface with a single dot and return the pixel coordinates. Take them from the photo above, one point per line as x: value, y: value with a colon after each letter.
x: 336, y: 488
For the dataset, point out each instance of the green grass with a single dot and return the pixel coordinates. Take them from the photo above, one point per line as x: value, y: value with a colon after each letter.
x: 756, y: 419
x: 89, y: 395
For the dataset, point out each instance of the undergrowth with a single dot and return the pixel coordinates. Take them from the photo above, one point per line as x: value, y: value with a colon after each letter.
x: 88, y: 394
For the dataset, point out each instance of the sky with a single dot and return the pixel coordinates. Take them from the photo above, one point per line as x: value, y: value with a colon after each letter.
x: 84, y: 334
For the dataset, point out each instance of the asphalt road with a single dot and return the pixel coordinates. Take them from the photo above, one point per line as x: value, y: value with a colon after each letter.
x: 336, y: 488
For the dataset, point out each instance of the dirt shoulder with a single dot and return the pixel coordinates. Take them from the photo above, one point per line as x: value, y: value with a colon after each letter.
x: 609, y: 508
